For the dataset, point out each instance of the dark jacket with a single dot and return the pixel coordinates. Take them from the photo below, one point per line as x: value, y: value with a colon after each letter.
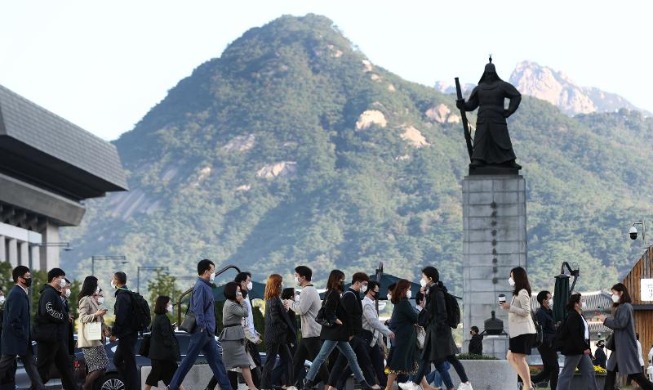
x: 203, y: 305
x: 545, y: 318
x: 70, y: 338
x: 571, y: 337
x: 334, y: 309
x: 16, y: 336
x: 278, y: 325
x: 404, y: 352
x: 476, y: 344
x: 163, y: 343
x: 354, y: 308
x: 438, y: 342
x: 125, y: 322
x: 50, y: 322
x: 600, y: 358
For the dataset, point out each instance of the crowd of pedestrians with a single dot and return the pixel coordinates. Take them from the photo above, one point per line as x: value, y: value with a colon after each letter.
x: 350, y: 339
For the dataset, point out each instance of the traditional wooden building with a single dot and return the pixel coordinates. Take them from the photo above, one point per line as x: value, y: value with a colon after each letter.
x: 642, y: 296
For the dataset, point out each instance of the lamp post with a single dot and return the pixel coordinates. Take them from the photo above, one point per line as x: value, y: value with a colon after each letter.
x: 121, y: 258
x: 145, y: 268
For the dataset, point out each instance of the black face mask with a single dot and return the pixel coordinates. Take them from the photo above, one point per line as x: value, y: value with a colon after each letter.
x: 28, y: 281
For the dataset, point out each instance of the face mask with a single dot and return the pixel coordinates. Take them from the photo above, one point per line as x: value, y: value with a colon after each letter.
x: 113, y: 285
x: 583, y: 305
x: 100, y: 300
x: 249, y: 286
x: 615, y: 298
x: 67, y: 293
x: 28, y: 281
x: 422, y: 282
x: 62, y: 283
x: 169, y: 308
x: 409, y: 294
x: 550, y: 302
x: 511, y: 282
x: 364, y: 288
x: 212, y: 277
x: 389, y: 297
x: 2, y: 300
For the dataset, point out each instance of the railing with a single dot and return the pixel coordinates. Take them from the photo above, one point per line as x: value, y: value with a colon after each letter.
x: 190, y: 290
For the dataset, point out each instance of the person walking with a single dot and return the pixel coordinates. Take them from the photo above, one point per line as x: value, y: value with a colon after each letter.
x: 16, y: 339
x: 90, y: 312
x: 476, y: 342
x: 278, y: 332
x: 336, y: 336
x: 233, y: 334
x: 202, y: 304
x: 404, y: 319
x: 374, y: 330
x: 624, y: 357
x: 574, y: 342
x: 547, y: 351
x: 307, y: 307
x: 164, y: 347
x: 439, y: 345
x: 51, y: 331
x: 125, y: 330
x: 521, y: 327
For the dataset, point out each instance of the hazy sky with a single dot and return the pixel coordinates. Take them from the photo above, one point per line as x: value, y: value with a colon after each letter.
x: 103, y: 65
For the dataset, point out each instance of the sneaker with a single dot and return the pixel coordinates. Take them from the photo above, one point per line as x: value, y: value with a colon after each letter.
x: 409, y: 386
x: 291, y: 388
x: 465, y: 386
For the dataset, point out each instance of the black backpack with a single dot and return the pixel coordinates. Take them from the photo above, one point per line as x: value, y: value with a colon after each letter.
x: 141, y: 310
x: 453, y: 310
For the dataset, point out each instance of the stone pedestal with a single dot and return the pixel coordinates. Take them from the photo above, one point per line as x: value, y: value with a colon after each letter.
x: 496, y: 346
x: 494, y: 242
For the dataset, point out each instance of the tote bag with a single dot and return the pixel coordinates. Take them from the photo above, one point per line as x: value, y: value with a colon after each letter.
x: 93, y: 331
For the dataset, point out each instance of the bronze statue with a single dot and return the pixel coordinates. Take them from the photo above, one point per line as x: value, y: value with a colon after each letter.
x: 492, y: 146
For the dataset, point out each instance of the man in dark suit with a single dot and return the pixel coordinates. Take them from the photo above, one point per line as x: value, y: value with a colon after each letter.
x: 16, y: 336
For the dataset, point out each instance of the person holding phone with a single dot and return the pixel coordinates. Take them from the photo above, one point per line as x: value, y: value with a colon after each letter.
x: 93, y: 350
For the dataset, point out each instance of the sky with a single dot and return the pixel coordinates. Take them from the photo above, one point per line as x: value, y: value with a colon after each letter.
x: 104, y: 65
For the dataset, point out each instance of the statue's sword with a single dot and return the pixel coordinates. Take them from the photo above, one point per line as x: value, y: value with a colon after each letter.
x: 466, y: 130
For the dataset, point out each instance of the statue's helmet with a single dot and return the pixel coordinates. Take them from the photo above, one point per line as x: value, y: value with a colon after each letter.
x: 490, y: 68
x: 490, y: 73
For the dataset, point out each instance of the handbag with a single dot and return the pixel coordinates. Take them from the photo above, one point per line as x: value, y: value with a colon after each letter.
x: 321, y: 317
x: 421, y: 336
x: 190, y: 322
x: 144, y: 349
x: 539, y: 332
x: 92, y: 331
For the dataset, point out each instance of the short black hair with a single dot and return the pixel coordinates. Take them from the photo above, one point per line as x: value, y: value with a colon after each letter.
x: 431, y: 272
x: 242, y: 276
x: 371, y: 285
x: 161, y: 305
x: 121, y: 276
x: 541, y: 296
x: 204, y: 265
x: 230, y: 290
x: 359, y: 277
x: 304, y: 271
x: 475, y: 329
x: 288, y: 293
x: 55, y: 273
x: 18, y: 272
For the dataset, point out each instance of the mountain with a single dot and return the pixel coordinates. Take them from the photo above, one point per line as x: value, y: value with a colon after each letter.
x: 293, y: 148
x: 557, y: 88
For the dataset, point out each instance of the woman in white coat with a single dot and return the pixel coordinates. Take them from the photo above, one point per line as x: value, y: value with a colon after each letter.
x: 521, y: 328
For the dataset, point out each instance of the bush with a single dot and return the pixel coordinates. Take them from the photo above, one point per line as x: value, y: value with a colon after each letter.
x: 473, y: 356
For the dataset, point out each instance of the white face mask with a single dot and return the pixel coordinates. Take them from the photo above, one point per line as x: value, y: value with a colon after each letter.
x: 511, y: 282
x: 67, y: 293
x: 364, y: 288
x: 212, y: 277
x: 62, y: 283
x: 551, y: 302
x: 409, y: 294
x: 615, y: 298
x: 422, y: 282
x: 169, y: 308
x: 583, y: 305
x: 249, y: 286
x: 100, y: 300
x: 389, y: 296
x: 2, y: 299
x: 113, y: 285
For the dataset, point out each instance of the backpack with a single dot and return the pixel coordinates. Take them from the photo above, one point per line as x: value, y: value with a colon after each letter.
x: 141, y: 310
x: 453, y: 310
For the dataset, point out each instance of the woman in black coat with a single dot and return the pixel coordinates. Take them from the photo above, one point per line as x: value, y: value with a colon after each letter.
x: 336, y: 336
x: 404, y: 319
x: 164, y: 347
x: 573, y: 341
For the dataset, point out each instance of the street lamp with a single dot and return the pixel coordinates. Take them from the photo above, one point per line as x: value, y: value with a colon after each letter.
x: 145, y: 268
x: 63, y: 245
x: 121, y: 258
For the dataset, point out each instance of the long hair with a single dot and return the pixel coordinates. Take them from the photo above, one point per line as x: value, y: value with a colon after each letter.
x: 625, y: 296
x: 573, y: 299
x: 333, y: 283
x: 89, y: 286
x: 401, y: 288
x: 161, y: 305
x: 273, y: 286
x: 521, y: 280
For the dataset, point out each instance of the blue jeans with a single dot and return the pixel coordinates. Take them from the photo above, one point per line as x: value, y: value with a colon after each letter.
x: 441, y: 368
x: 345, y: 349
x: 436, y: 379
x: 206, y: 343
x: 584, y: 363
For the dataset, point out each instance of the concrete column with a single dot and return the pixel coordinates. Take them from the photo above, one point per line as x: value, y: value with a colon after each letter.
x: 23, y: 253
x: 494, y: 242
x: 50, y: 254
x: 36, y: 258
x: 13, y: 252
x: 3, y: 249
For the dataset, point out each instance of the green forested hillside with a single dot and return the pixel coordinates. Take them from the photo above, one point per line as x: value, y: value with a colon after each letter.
x: 291, y: 148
